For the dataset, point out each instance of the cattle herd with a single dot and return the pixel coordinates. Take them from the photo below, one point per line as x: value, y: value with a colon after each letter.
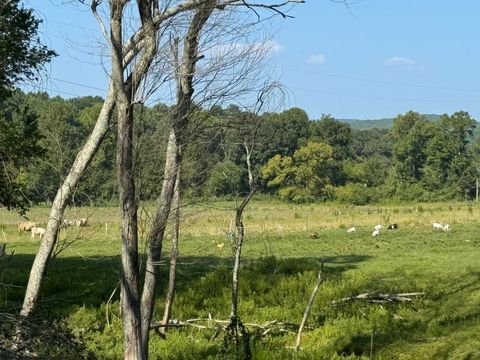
x: 377, y: 228
x: 34, y: 229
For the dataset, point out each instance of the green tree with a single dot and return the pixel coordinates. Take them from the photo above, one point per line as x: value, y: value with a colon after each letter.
x: 19, y: 143
x: 334, y: 133
x: 281, y: 134
x: 21, y: 53
x: 370, y: 172
x: 372, y: 142
x: 305, y: 176
x: 411, y: 134
x: 449, y: 162
x: 21, y: 57
x: 226, y: 178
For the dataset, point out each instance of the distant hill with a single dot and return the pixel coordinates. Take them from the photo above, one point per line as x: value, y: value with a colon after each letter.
x: 385, y: 123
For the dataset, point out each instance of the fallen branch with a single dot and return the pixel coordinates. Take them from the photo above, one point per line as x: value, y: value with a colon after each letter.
x: 373, y: 297
x: 309, y: 306
x: 215, y: 324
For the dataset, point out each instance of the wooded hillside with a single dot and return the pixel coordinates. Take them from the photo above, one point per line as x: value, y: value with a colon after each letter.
x: 300, y: 159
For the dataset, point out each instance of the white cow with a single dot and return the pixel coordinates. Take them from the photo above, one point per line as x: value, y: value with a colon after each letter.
x: 437, y: 226
x: 81, y: 222
x: 67, y: 223
x: 378, y: 227
x: 37, y: 230
x: 376, y: 232
x: 446, y: 228
x: 352, y: 230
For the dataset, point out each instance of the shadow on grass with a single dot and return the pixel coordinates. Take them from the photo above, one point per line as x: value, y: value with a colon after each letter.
x: 82, y: 281
x: 203, y: 284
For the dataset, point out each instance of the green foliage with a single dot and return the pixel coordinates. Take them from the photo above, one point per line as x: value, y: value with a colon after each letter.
x: 372, y: 171
x: 20, y: 48
x: 417, y: 159
x: 411, y: 133
x: 22, y: 57
x: 357, y: 194
x: 306, y: 176
x: 226, y: 178
x: 20, y: 142
x: 334, y: 133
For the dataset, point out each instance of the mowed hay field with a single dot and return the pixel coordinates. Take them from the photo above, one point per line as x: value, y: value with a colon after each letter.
x: 280, y: 267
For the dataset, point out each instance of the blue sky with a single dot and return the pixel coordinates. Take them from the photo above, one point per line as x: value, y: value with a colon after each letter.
x: 376, y: 59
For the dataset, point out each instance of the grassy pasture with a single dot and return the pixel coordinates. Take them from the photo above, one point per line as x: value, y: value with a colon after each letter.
x: 280, y: 267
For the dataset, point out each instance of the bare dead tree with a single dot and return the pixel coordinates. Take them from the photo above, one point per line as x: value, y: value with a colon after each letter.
x: 184, y: 76
x: 212, y: 82
x: 132, y: 52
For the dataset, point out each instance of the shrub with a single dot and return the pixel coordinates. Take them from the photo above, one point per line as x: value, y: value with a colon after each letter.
x: 356, y: 194
x: 226, y: 178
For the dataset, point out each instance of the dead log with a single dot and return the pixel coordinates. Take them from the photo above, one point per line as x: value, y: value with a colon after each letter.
x: 219, y: 325
x: 374, y: 297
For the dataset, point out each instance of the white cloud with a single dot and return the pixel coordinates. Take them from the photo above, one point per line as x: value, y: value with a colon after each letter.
x: 269, y: 47
x: 316, y: 59
x: 274, y: 46
x: 400, y: 61
x: 404, y: 63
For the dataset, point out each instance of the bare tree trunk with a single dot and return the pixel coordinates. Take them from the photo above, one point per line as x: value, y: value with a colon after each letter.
x: 476, y: 189
x: 157, y: 234
x: 130, y: 270
x: 185, y: 73
x: 235, y: 328
x: 240, y: 236
x: 126, y: 187
x: 173, y: 253
x: 57, y: 211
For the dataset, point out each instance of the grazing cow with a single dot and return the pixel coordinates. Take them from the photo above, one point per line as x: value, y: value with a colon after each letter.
x: 378, y: 227
x: 376, y: 232
x: 437, y: 226
x: 313, y: 235
x: 37, y: 230
x: 67, y: 223
x: 26, y: 226
x: 81, y: 222
x: 352, y: 230
x: 446, y: 228
x: 392, y: 227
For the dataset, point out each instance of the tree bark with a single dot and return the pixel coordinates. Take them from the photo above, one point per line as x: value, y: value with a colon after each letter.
x: 157, y: 234
x: 59, y: 204
x: 173, y: 253
x: 126, y: 188
x: 185, y: 73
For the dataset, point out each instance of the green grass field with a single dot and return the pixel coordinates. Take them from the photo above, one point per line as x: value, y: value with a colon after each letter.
x: 279, y: 270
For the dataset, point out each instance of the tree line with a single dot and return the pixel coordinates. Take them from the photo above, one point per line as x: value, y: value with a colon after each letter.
x: 296, y: 158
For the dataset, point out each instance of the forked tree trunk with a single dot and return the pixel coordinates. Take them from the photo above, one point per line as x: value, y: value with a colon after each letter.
x: 173, y: 253
x: 126, y: 188
x: 59, y: 204
x: 185, y: 73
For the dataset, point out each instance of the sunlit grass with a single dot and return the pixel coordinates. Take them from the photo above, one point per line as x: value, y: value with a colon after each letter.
x: 280, y: 266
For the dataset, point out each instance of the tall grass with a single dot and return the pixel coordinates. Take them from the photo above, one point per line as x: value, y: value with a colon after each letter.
x: 279, y: 270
